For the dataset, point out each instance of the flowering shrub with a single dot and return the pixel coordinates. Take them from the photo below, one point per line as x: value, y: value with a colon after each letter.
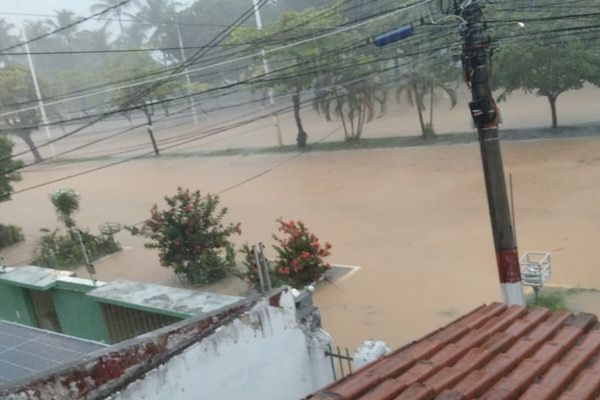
x: 190, y: 237
x: 299, y: 255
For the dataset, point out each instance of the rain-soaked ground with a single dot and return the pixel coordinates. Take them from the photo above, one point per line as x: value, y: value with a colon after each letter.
x: 414, y: 220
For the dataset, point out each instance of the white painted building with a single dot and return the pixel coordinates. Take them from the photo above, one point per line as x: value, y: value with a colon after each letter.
x: 267, y: 349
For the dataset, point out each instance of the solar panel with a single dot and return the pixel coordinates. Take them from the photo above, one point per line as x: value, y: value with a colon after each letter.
x: 26, y: 351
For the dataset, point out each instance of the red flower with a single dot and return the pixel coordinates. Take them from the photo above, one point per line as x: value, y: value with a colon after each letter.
x: 305, y: 254
x: 189, y: 207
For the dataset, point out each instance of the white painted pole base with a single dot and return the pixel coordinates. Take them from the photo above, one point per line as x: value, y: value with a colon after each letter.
x: 512, y: 293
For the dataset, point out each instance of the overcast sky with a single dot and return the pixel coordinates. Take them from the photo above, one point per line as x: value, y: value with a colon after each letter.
x: 81, y: 8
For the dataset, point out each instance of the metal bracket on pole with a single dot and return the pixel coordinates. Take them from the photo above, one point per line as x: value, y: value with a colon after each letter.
x: 88, y: 265
x: 265, y: 266
x: 259, y: 269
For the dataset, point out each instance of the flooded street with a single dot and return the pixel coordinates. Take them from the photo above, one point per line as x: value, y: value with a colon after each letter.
x: 414, y: 220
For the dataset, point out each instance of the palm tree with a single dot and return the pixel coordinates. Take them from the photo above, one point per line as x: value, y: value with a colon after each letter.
x: 63, y: 19
x: 34, y: 29
x: 355, y: 104
x: 422, y: 83
x: 117, y: 12
x: 149, y: 13
x: 6, y: 37
x: 97, y: 39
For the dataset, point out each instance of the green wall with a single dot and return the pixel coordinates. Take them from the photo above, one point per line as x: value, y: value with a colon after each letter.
x: 79, y: 315
x: 15, y: 305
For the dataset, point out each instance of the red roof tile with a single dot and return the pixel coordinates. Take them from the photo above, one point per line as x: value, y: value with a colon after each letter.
x: 493, y: 353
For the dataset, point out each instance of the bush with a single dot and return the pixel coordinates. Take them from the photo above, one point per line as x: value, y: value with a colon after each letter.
x: 59, y: 251
x: 299, y: 260
x: 191, y: 238
x: 250, y: 273
x: 9, y: 235
x: 299, y: 255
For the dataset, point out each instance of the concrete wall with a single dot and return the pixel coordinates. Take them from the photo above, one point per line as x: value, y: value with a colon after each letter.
x: 15, y: 305
x: 266, y: 354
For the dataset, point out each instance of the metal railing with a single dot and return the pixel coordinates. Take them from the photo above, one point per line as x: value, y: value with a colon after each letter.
x: 339, y: 359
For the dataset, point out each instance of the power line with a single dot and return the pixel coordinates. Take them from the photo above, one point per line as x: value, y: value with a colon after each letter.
x: 138, y: 96
x: 327, y: 12
x: 229, y: 61
x: 66, y: 27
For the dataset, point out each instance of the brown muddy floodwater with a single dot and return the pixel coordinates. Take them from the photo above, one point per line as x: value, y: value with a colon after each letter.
x: 415, y: 220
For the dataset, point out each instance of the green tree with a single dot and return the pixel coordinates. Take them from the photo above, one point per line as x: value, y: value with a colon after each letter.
x: 6, y: 37
x: 8, y: 169
x: 9, y: 234
x: 353, y: 93
x: 116, y: 12
x: 63, y: 19
x: 422, y: 84
x: 297, y: 67
x: 545, y: 69
x: 16, y: 87
x: 66, y: 203
x: 151, y: 11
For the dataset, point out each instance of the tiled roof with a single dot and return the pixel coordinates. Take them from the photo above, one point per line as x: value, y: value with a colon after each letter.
x: 493, y: 353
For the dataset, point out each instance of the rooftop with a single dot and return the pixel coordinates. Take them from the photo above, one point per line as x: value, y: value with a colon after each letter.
x: 32, y: 277
x: 161, y: 299
x: 495, y: 352
x: 26, y: 351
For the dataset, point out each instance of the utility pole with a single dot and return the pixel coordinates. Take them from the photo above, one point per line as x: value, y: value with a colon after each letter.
x: 88, y: 265
x: 38, y: 94
x: 476, y: 55
x: 267, y: 69
x: 186, y: 70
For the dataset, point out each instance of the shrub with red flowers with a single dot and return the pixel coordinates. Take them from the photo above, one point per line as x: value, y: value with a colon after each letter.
x: 300, y: 255
x: 299, y: 260
x: 191, y: 237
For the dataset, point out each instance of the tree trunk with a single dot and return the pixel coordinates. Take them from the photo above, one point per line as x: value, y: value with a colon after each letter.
x: 417, y: 104
x: 26, y: 136
x: 552, y: 100
x: 302, y: 136
x: 151, y: 131
x: 166, y: 109
x: 431, y: 107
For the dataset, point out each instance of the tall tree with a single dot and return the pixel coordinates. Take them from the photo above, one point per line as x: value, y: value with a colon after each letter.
x: 6, y: 37
x: 8, y: 168
x: 16, y: 87
x: 354, y: 95
x: 149, y: 16
x: 63, y: 19
x: 116, y: 12
x: 97, y: 39
x: 547, y: 70
x: 421, y: 85
x: 296, y: 68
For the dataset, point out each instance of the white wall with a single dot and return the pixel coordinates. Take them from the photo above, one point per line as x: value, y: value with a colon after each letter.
x: 265, y: 355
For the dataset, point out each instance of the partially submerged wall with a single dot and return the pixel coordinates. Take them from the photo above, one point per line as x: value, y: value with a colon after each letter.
x: 256, y: 350
x: 266, y: 354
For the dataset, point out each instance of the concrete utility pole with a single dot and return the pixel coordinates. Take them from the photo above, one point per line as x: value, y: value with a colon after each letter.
x: 475, y: 60
x: 38, y: 94
x: 183, y: 60
x: 267, y: 69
